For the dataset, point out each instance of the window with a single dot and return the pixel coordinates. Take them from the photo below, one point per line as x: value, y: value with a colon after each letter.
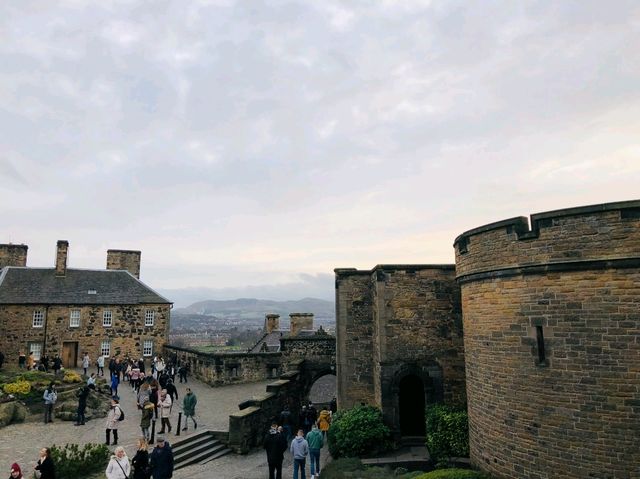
x: 147, y: 347
x: 36, y: 349
x: 38, y: 318
x: 74, y: 318
x: 149, y: 317
x: 107, y: 318
x: 105, y: 348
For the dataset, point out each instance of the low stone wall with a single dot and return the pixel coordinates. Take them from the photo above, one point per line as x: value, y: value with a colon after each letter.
x: 221, y: 369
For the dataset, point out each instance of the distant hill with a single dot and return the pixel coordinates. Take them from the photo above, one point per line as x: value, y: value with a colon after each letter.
x: 257, y: 308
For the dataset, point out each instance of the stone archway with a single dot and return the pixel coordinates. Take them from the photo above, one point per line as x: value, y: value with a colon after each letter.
x: 411, y: 398
x: 323, y: 388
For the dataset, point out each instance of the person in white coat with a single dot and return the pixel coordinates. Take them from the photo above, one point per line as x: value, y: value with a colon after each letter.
x: 118, y: 467
x: 164, y: 408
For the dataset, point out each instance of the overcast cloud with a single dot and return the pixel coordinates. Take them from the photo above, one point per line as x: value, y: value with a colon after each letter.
x: 243, y: 143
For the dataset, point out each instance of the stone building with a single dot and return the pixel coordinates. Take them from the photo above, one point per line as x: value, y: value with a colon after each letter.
x: 69, y: 311
x: 552, y: 343
x: 399, y: 341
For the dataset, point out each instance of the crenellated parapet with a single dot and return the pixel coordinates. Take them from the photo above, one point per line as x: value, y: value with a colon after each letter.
x: 596, y: 236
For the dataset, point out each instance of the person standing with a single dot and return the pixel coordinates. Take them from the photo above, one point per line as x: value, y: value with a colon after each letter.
x: 16, y: 472
x: 45, y: 464
x: 189, y: 402
x: 83, y: 394
x: 118, y: 467
x: 1, y: 359
x: 31, y: 362
x: 57, y: 364
x: 275, y: 443
x: 113, y: 417
x: 22, y: 360
x: 115, y: 381
x: 85, y: 363
x: 164, y: 406
x: 315, y: 442
x: 161, y: 459
x: 299, y: 450
x: 145, y: 420
x: 50, y: 397
x: 324, y: 421
x: 285, y: 421
x: 140, y: 461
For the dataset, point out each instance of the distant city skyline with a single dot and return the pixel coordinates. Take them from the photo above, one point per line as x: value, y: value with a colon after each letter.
x: 249, y: 148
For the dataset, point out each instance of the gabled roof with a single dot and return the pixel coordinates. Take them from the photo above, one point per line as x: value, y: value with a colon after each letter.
x: 42, y: 286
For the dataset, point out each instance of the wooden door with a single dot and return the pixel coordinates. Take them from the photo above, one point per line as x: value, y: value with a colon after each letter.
x: 70, y: 354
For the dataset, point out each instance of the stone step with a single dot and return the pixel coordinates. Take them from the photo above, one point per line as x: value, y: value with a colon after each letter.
x: 198, y: 449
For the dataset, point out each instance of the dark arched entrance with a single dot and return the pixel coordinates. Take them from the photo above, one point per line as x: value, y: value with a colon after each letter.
x: 411, y: 405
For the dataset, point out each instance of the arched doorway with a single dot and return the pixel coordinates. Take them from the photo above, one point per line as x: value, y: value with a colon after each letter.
x: 411, y: 406
x: 323, y: 389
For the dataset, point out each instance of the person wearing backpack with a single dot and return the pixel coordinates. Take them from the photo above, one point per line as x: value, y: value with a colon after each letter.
x: 114, y: 416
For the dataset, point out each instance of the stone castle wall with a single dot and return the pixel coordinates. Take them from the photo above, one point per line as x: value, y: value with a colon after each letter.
x: 551, y: 325
x: 126, y: 334
x: 395, y: 321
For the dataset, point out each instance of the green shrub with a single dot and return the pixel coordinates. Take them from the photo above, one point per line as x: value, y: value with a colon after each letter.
x: 447, y: 432
x: 73, y: 462
x: 358, y: 432
x: 453, y: 474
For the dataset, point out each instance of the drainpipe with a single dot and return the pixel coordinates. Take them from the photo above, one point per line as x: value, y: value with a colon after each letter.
x: 44, y: 341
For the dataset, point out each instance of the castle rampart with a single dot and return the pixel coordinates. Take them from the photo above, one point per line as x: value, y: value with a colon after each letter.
x: 551, y: 326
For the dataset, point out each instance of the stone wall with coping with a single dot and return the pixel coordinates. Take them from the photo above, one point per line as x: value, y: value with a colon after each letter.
x: 551, y: 324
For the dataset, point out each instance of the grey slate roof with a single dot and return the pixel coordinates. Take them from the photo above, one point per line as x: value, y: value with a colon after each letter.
x: 42, y: 286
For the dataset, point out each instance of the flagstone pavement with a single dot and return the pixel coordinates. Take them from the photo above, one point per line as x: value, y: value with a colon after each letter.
x: 21, y: 442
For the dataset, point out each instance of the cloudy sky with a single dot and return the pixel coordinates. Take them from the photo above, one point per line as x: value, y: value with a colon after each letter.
x: 250, y: 147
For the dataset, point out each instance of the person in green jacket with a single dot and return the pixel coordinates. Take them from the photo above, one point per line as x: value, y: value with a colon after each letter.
x: 316, y: 441
x: 189, y: 402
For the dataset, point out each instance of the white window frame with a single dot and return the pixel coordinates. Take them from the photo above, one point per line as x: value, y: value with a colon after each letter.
x: 38, y: 318
x: 149, y: 317
x: 36, y: 349
x: 74, y: 318
x: 105, y: 348
x: 107, y: 318
x: 147, y: 348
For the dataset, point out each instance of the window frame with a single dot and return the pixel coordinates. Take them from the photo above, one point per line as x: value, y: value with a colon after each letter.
x: 105, y: 347
x: 71, y: 318
x: 40, y: 314
x: 145, y: 343
x: 107, y: 313
x: 149, y: 318
x: 37, y: 349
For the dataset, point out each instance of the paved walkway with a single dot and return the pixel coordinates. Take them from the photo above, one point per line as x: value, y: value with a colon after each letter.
x: 21, y: 442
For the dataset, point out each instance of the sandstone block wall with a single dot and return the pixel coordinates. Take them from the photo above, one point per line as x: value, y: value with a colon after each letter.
x: 13, y: 255
x: 126, y: 334
x: 551, y: 321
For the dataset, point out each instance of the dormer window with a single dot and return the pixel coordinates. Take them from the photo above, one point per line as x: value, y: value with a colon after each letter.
x: 92, y: 291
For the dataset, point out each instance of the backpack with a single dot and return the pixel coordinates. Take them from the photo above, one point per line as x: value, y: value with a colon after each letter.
x: 121, y: 418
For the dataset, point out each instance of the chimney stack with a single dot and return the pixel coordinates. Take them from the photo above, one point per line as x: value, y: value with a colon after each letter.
x: 13, y: 255
x: 124, y: 259
x: 62, y: 250
x: 271, y: 323
x: 300, y: 322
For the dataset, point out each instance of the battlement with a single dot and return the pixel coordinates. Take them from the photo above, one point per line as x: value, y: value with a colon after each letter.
x: 344, y: 272
x: 567, y: 236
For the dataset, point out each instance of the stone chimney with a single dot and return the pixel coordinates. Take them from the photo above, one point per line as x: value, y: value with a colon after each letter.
x: 13, y: 255
x: 271, y: 323
x: 300, y: 322
x: 62, y: 250
x: 124, y: 259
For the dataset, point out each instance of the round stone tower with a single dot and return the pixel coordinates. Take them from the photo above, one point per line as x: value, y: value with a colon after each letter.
x: 552, y: 343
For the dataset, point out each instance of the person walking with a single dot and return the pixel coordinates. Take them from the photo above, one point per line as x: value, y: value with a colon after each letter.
x: 119, y: 466
x: 113, y: 417
x: 100, y: 364
x: 315, y: 442
x: 161, y: 459
x: 164, y: 406
x: 275, y: 443
x: 83, y: 394
x: 50, y: 397
x: 140, y: 461
x: 16, y: 472
x: 85, y: 363
x: 189, y: 402
x: 145, y: 420
x: 324, y: 421
x: 299, y: 450
x: 45, y: 465
x: 57, y: 365
x: 115, y: 381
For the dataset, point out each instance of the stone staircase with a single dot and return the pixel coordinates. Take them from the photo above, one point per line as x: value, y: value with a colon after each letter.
x: 199, y: 448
